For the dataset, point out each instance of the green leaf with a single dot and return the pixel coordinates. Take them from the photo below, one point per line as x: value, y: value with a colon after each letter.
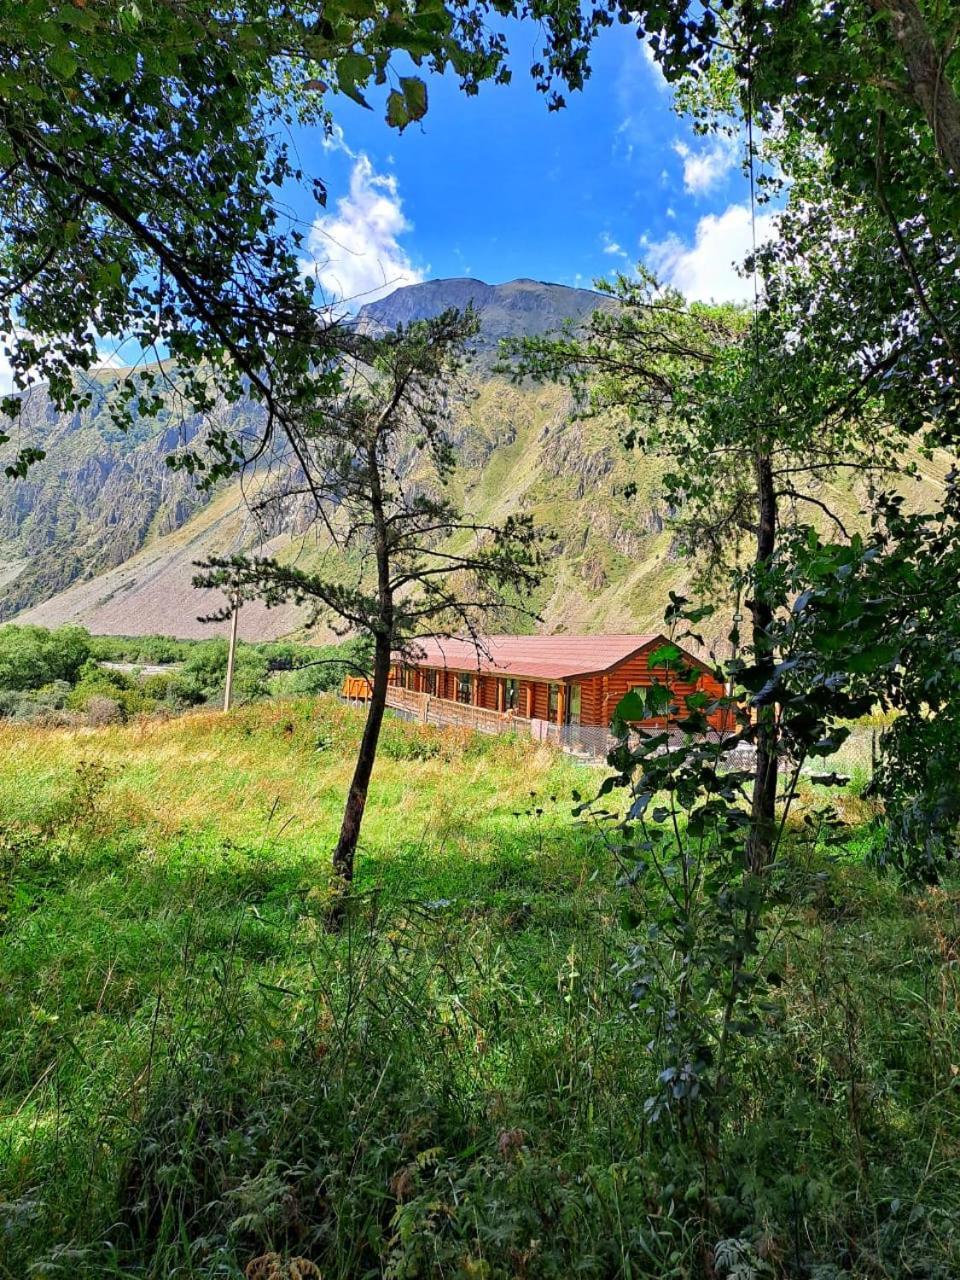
x: 63, y: 62
x: 398, y: 117
x: 666, y: 655
x: 415, y: 96
x: 353, y: 69
x: 408, y: 103
x: 632, y: 706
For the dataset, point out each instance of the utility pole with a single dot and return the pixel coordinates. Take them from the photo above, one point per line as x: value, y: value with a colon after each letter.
x: 232, y: 651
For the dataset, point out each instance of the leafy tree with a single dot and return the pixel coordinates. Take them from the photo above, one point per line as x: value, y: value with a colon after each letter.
x: 141, y: 154
x: 141, y: 157
x: 701, y: 910
x: 31, y: 656
x: 376, y: 463
x: 755, y: 421
x: 301, y: 670
x: 204, y: 672
x: 859, y: 104
x: 869, y: 626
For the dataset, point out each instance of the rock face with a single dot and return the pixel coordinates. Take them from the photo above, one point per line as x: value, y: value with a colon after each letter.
x: 94, y: 500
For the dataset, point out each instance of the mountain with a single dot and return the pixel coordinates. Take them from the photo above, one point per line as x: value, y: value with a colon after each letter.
x: 520, y: 308
x: 103, y: 534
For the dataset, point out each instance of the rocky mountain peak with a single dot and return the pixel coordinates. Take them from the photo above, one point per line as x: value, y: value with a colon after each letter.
x: 519, y: 307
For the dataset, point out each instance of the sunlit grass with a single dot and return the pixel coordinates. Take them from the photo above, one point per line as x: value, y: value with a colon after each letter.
x: 193, y: 1071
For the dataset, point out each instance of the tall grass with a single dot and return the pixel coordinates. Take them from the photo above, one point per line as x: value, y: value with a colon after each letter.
x: 194, y: 1074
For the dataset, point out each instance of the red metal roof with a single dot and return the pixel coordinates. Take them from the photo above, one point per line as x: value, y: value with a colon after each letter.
x: 546, y: 657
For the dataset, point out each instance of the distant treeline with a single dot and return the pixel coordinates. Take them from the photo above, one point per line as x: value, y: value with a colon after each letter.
x: 59, y: 675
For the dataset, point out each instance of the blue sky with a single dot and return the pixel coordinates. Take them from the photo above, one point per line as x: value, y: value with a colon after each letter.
x: 498, y: 187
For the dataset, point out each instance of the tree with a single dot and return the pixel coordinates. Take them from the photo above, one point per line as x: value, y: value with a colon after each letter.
x: 754, y: 423
x: 375, y: 462
x: 32, y: 656
x: 142, y: 153
x: 859, y: 106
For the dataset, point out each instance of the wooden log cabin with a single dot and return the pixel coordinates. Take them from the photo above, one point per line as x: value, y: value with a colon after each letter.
x: 561, y: 680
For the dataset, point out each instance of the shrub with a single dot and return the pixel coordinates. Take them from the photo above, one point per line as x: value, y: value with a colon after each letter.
x: 31, y: 656
x: 157, y: 688
x: 102, y: 710
x: 95, y: 681
x: 154, y: 649
x: 34, y: 704
x: 302, y: 670
x: 204, y: 673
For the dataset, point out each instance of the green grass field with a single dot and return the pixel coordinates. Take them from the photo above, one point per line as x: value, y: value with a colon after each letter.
x: 194, y: 1073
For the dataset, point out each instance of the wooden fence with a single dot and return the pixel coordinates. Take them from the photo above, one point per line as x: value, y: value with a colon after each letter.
x: 442, y: 711
x: 588, y: 742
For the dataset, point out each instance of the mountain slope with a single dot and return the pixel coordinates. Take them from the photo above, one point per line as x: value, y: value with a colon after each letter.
x: 100, y: 494
x: 108, y: 521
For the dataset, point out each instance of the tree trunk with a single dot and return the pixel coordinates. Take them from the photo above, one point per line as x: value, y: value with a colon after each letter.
x: 343, y: 854
x: 931, y: 87
x: 763, y: 809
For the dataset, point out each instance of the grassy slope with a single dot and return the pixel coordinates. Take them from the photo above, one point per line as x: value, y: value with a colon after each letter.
x: 192, y: 1072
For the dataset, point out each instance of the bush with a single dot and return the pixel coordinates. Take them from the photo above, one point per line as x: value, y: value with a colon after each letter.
x: 132, y: 697
x: 303, y: 671
x: 153, y: 649
x: 204, y: 673
x: 31, y: 657
x: 70, y: 660
x: 101, y: 710
x: 34, y: 704
x: 157, y: 688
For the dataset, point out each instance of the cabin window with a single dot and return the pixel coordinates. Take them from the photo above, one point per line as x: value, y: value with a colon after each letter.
x: 573, y: 707
x: 410, y: 677
x: 464, y: 689
x: 430, y: 682
x: 511, y: 695
x: 553, y: 701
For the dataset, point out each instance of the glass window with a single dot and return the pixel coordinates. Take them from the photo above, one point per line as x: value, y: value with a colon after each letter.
x: 553, y: 701
x: 464, y: 689
x: 573, y: 710
x: 511, y: 695
x: 430, y: 682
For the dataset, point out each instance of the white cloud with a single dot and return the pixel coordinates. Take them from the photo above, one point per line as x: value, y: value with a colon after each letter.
x: 706, y: 271
x: 336, y: 140
x: 109, y: 360
x: 703, y: 170
x: 611, y: 246
x: 356, y: 255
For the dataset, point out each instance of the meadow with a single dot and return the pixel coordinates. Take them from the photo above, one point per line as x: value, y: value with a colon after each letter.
x: 197, y: 1079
